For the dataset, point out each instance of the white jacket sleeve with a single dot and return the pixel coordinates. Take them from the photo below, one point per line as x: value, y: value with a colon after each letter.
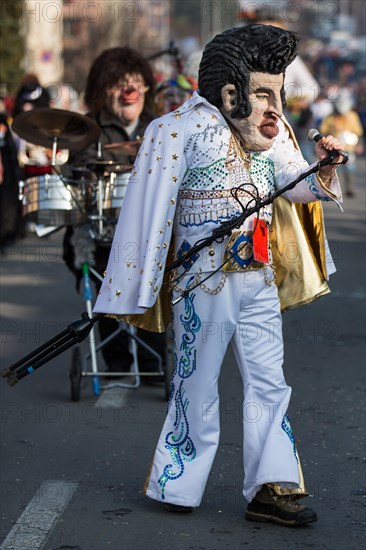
x: 140, y: 246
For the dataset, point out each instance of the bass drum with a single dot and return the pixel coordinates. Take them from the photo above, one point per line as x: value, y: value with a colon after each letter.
x: 52, y: 200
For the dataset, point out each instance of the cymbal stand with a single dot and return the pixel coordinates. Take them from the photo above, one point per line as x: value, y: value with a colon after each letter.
x: 54, y: 150
x: 99, y: 170
x: 100, y: 190
x: 100, y: 204
x: 56, y: 169
x: 97, y: 219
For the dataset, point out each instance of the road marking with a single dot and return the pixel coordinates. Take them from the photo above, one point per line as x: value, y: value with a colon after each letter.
x: 113, y: 398
x: 40, y: 516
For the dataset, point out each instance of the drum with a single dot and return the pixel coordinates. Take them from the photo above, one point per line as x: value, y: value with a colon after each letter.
x: 50, y: 200
x: 114, y: 192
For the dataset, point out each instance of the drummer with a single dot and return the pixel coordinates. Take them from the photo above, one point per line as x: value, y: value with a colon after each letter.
x: 120, y: 97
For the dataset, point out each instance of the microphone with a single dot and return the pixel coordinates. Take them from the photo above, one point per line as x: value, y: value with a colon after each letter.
x: 315, y: 136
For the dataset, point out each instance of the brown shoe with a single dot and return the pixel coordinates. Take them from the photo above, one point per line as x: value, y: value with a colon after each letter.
x: 178, y: 508
x: 284, y: 510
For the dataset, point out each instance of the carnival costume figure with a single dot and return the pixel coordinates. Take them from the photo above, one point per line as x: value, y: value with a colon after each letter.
x: 231, y: 133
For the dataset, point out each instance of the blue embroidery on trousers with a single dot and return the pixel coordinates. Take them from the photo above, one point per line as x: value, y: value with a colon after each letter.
x: 192, y: 324
x: 178, y: 442
x: 287, y: 428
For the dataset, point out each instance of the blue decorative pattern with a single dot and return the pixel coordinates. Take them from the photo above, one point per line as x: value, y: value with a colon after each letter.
x: 172, y: 385
x: 221, y: 219
x: 192, y: 324
x: 314, y: 189
x: 178, y: 443
x: 287, y: 428
x: 183, y: 249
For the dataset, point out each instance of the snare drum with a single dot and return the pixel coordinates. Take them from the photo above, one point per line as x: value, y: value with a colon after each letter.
x: 49, y: 200
x: 114, y: 192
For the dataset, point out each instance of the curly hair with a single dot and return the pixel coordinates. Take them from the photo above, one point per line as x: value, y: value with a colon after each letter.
x: 108, y: 68
x: 232, y: 55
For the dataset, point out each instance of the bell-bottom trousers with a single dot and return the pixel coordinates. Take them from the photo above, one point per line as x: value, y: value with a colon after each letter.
x: 246, y: 314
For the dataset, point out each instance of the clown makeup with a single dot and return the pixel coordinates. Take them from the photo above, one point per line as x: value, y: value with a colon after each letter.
x: 173, y: 97
x: 259, y: 129
x: 126, y: 98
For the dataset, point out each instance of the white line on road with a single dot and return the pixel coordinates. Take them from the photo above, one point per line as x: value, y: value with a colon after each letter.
x: 40, y: 516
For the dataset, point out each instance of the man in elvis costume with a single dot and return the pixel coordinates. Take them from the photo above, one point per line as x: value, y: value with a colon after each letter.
x: 231, y: 132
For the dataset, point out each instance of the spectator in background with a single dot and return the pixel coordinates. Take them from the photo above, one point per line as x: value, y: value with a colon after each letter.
x: 34, y: 160
x: 321, y: 108
x: 347, y: 75
x: 301, y: 90
x: 3, y: 106
x: 7, y: 104
x: 172, y: 93
x: 31, y: 95
x: 301, y: 118
x: 344, y: 123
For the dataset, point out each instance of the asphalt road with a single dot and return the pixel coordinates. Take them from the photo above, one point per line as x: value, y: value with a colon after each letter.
x: 73, y: 473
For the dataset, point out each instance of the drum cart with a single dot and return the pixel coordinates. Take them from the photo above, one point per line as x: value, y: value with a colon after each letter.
x: 102, y: 213
x: 57, y: 201
x: 87, y: 365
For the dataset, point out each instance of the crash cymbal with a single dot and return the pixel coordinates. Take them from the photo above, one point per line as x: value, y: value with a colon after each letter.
x: 126, y: 147
x: 41, y: 126
x: 105, y: 165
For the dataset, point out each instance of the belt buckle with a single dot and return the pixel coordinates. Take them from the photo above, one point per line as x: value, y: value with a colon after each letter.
x: 238, y: 255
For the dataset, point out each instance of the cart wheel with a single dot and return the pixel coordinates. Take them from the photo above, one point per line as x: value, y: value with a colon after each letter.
x: 169, y: 369
x: 75, y: 375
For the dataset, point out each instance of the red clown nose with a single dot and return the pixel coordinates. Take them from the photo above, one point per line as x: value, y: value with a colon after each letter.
x: 129, y: 95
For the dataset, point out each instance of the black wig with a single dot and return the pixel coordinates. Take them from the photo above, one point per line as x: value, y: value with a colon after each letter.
x: 232, y: 55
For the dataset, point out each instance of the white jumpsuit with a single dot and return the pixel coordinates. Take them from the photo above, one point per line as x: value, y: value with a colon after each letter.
x: 187, y: 165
